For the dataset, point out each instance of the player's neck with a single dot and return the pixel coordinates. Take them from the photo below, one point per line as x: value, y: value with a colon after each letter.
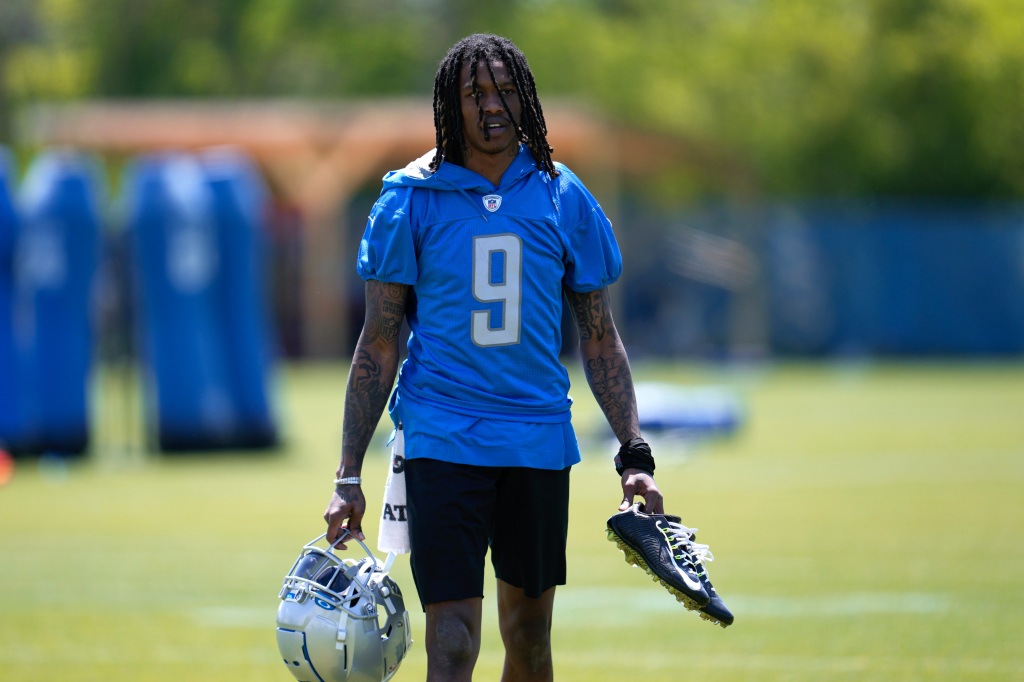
x: 491, y: 166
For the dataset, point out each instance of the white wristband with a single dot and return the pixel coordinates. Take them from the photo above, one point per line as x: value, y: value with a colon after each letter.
x: 349, y: 480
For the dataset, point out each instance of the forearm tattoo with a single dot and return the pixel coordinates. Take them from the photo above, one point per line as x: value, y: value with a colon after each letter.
x: 365, y: 398
x: 605, y: 363
x: 612, y: 384
x: 374, y: 365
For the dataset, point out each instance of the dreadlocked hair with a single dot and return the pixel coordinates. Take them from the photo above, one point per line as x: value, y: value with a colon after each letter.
x: 448, y: 124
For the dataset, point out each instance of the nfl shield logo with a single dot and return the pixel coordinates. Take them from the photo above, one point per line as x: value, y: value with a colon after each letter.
x: 492, y: 202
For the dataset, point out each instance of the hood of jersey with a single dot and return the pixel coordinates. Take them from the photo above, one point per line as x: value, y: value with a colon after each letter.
x: 453, y: 178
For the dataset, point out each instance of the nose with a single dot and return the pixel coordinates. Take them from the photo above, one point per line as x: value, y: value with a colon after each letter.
x: 491, y: 103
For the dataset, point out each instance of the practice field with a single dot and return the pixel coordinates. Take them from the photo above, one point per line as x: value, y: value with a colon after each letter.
x: 867, y: 523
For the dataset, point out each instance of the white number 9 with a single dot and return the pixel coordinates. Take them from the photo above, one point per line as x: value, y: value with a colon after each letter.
x: 498, y: 277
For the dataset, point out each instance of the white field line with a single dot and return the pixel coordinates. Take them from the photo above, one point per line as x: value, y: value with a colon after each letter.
x: 236, y: 616
x: 798, y: 667
x: 586, y: 604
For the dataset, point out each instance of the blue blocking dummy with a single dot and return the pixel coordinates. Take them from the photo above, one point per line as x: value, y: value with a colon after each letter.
x: 8, y: 229
x: 198, y: 306
x: 239, y: 203
x: 55, y: 266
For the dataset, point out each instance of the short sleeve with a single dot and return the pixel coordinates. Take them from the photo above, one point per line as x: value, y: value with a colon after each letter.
x: 593, y: 259
x: 387, y: 251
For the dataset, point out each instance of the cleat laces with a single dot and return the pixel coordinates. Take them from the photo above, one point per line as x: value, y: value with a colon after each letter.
x: 680, y: 539
x: 701, y: 553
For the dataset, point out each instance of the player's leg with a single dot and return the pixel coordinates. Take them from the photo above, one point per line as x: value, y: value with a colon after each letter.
x: 452, y: 639
x: 450, y: 516
x: 531, y: 522
x: 525, y: 625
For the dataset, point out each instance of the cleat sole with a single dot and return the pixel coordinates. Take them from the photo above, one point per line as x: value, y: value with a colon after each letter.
x: 713, y: 620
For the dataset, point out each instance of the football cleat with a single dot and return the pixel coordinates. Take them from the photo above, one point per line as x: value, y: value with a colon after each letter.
x: 660, y: 545
x: 716, y: 611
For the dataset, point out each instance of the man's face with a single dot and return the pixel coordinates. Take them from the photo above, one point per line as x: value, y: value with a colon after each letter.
x: 495, y: 132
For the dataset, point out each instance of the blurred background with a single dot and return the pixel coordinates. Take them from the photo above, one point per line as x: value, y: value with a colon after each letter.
x: 787, y: 179
x: 809, y: 195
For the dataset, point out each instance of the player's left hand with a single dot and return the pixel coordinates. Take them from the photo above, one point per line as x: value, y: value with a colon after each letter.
x: 640, y: 483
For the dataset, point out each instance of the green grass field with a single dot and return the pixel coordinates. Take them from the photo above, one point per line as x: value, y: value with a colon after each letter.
x: 867, y: 524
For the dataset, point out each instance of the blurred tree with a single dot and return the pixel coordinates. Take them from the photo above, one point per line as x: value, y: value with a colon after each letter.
x: 836, y: 98
x: 948, y: 81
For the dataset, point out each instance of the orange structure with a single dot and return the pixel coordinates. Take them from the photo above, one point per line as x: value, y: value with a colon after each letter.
x: 317, y: 155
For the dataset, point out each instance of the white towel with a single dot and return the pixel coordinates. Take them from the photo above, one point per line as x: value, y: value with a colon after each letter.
x: 394, y: 520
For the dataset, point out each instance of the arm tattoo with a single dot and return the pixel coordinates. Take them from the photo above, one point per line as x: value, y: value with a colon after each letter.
x: 590, y: 310
x: 612, y: 384
x: 365, y: 398
x: 374, y: 365
x: 605, y: 363
x: 385, y: 309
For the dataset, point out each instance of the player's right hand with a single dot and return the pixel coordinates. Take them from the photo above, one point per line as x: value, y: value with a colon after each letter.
x: 345, y: 511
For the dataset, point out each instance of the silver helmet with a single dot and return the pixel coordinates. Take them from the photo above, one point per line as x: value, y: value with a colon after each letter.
x: 341, y: 620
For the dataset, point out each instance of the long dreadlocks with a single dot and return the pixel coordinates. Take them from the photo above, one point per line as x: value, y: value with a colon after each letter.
x: 484, y: 47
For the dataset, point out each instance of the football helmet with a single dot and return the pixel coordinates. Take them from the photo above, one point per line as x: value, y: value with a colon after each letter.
x: 341, y: 620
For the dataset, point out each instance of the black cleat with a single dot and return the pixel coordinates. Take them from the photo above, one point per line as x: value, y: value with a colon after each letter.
x: 660, y: 545
x: 716, y: 611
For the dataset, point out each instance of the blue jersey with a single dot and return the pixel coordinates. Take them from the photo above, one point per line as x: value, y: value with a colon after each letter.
x: 487, y: 266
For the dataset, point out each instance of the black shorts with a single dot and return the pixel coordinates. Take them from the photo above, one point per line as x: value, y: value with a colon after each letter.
x: 457, y: 511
